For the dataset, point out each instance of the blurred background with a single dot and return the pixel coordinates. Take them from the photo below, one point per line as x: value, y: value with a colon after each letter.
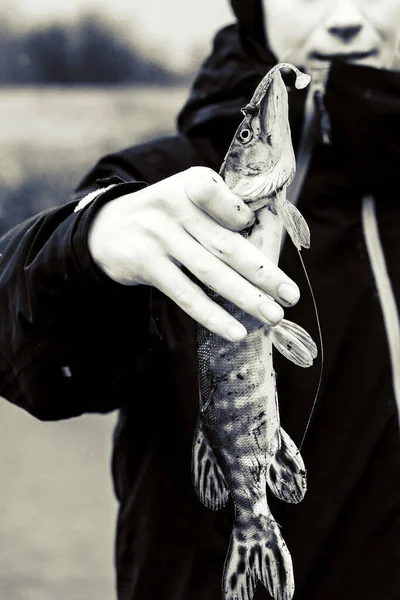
x: 77, y: 80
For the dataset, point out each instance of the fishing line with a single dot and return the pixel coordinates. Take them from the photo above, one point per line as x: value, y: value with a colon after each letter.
x: 307, y: 140
x: 322, y: 350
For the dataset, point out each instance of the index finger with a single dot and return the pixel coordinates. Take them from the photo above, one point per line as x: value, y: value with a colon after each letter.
x: 240, y: 254
x: 208, y: 191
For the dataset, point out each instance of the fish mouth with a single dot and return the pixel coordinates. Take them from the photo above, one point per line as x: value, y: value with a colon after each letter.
x: 271, y: 119
x: 264, y: 157
x: 343, y: 56
x: 276, y: 168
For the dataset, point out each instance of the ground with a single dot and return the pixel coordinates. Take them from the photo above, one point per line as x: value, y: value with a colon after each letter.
x: 57, y: 508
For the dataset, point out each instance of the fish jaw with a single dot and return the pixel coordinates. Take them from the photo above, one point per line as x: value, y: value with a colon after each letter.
x: 260, y: 159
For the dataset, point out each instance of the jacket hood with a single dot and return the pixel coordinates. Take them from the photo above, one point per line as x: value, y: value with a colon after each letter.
x: 249, y: 14
x: 362, y: 102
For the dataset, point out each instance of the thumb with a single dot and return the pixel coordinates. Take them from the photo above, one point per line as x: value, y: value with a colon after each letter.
x: 207, y: 190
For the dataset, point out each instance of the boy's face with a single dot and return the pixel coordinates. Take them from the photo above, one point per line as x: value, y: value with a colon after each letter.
x: 313, y: 32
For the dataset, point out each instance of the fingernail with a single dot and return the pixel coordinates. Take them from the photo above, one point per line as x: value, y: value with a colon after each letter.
x: 252, y: 221
x: 236, y: 332
x: 272, y: 312
x: 288, y: 293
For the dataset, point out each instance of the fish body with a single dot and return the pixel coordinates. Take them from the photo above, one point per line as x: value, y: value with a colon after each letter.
x: 239, y: 447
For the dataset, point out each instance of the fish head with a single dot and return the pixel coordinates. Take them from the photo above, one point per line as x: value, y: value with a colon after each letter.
x: 260, y: 159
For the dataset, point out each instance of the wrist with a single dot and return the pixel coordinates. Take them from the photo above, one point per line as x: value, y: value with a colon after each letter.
x: 88, y: 250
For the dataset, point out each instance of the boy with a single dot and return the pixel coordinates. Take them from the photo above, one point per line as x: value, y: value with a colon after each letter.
x: 98, y: 314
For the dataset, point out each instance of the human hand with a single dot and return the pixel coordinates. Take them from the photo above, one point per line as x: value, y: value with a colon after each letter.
x: 191, y: 219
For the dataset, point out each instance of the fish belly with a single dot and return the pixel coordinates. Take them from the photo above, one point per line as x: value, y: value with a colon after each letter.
x: 241, y: 418
x: 241, y: 422
x: 239, y: 431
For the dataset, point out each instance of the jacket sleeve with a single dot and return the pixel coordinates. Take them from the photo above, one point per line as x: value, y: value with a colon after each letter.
x: 66, y: 330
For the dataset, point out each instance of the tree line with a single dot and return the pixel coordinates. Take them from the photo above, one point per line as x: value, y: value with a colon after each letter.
x: 87, y: 53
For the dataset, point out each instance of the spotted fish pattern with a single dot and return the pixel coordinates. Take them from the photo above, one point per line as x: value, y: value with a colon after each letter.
x: 239, y: 447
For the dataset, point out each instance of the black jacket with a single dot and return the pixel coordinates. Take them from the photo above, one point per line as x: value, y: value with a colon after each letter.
x: 72, y: 342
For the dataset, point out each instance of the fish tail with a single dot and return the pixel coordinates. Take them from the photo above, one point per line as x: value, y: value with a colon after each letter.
x: 286, y: 476
x: 257, y: 552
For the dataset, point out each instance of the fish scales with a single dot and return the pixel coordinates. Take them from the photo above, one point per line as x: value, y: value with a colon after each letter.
x: 243, y: 378
x: 239, y: 447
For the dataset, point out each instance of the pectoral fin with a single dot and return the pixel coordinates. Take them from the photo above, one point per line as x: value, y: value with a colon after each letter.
x: 208, y: 479
x: 294, y: 223
x: 293, y: 342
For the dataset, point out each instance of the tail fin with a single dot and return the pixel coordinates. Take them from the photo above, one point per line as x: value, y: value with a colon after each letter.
x: 286, y: 476
x: 257, y: 556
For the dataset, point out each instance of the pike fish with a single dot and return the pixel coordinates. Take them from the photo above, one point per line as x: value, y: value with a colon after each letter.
x: 239, y: 447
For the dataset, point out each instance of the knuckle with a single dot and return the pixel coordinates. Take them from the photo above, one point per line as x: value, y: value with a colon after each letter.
x: 246, y: 300
x: 145, y: 266
x: 156, y: 232
x: 201, y: 186
x: 182, y: 295
x: 263, y: 275
x: 190, y: 222
x: 210, y: 321
x: 153, y: 240
x: 224, y: 243
x: 204, y: 271
x: 164, y: 201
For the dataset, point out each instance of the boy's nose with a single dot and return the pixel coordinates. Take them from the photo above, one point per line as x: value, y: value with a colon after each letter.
x: 345, y: 32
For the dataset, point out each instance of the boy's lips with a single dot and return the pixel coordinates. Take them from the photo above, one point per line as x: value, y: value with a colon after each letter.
x: 343, y: 55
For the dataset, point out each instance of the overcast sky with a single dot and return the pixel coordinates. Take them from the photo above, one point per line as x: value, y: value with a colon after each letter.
x: 173, y: 26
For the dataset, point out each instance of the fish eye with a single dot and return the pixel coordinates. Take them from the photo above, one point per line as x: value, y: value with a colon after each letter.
x: 245, y: 135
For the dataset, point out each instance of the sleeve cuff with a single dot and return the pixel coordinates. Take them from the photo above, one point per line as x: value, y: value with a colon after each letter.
x: 86, y: 210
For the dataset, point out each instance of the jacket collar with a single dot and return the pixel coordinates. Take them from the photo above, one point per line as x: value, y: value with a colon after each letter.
x: 363, y: 102
x: 364, y: 107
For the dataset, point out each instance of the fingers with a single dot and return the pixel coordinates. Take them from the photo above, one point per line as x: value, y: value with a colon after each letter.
x: 168, y: 278
x: 225, y: 281
x: 137, y: 241
x: 207, y: 190
x: 237, y: 252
